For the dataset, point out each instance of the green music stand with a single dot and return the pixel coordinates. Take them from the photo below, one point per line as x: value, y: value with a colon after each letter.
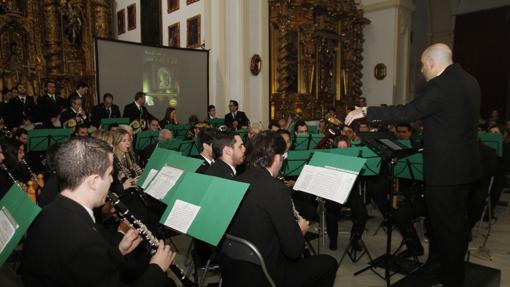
x: 314, y: 140
x: 173, y: 144
x: 179, y: 131
x: 493, y: 140
x: 243, y: 133
x: 410, y: 167
x: 106, y: 122
x: 301, y: 142
x: 41, y: 139
x: 161, y: 157
x: 296, y: 159
x: 372, y: 165
x: 216, y: 123
x: 145, y: 138
x: 313, y: 129
x: 217, y: 198
x: 17, y: 212
x: 188, y: 147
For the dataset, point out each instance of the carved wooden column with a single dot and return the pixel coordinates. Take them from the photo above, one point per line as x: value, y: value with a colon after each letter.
x: 51, y: 38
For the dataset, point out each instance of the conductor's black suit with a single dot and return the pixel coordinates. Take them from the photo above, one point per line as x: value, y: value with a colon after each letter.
x: 449, y: 107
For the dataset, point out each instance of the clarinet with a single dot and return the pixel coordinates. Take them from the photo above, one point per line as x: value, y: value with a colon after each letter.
x: 32, y: 174
x: 122, y: 212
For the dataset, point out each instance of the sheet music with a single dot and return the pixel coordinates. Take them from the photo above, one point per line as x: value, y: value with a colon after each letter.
x: 328, y: 183
x: 152, y: 173
x: 182, y: 216
x: 163, y: 181
x: 8, y: 227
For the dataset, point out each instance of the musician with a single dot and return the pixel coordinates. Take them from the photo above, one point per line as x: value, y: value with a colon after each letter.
x: 404, y: 131
x: 81, y: 130
x: 300, y: 128
x: 205, y: 142
x: 236, y: 119
x: 154, y: 125
x: 228, y: 149
x: 82, y: 89
x: 449, y: 107
x: 21, y: 135
x: 105, y: 110
x: 81, y: 256
x: 211, y: 112
x: 137, y: 110
x: 5, y: 179
x: 170, y: 117
x: 359, y: 213
x: 14, y: 152
x: 50, y: 105
x: 266, y: 219
x: 21, y: 107
x: 164, y: 135
x: 75, y: 112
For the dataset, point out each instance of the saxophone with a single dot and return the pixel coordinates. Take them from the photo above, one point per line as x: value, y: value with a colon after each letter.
x: 122, y: 212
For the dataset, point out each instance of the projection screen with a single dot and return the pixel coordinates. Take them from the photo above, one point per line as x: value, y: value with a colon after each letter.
x: 169, y: 77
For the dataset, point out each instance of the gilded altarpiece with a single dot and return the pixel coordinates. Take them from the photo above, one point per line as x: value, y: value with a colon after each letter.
x: 51, y: 39
x: 316, y: 48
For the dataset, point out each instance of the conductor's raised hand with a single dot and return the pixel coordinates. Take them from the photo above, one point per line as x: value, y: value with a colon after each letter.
x: 357, y: 114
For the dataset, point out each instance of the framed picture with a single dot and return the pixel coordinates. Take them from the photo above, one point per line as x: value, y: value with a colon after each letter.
x: 188, y: 2
x: 193, y: 32
x: 174, y: 35
x: 121, y: 21
x: 172, y: 5
x: 131, y: 17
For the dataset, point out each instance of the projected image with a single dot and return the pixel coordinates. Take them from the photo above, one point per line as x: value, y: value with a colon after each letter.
x: 161, y: 80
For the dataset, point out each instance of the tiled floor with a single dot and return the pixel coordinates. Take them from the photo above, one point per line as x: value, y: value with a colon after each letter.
x: 498, y: 244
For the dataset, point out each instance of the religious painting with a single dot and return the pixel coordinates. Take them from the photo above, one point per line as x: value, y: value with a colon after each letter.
x: 172, y: 5
x: 174, y: 35
x: 193, y: 31
x: 131, y: 17
x: 121, y: 22
x: 188, y: 2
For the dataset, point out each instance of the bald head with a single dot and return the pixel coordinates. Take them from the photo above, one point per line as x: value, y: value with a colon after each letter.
x: 435, y: 59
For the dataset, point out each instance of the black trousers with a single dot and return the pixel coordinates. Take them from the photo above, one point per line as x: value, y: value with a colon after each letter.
x: 448, y: 213
x: 358, y: 214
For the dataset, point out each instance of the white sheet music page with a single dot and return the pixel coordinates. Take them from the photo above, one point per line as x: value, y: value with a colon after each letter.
x: 8, y: 227
x: 329, y: 183
x: 182, y: 216
x: 163, y: 181
x: 152, y: 173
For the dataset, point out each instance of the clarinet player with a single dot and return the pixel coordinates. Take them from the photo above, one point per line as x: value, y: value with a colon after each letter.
x: 81, y: 256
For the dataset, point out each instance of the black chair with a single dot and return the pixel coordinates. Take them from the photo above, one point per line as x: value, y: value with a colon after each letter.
x: 239, y: 249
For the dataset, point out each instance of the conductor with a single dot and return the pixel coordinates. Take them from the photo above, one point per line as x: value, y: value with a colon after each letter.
x: 449, y: 106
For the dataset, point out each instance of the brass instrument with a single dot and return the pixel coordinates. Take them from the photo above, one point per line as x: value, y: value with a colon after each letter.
x: 70, y: 124
x: 138, y: 125
x: 332, y: 129
x: 122, y: 212
x: 76, y: 121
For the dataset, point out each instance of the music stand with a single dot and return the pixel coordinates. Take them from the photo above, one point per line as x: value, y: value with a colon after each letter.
x: 41, y: 139
x: 109, y: 121
x: 390, y: 151
x: 146, y: 138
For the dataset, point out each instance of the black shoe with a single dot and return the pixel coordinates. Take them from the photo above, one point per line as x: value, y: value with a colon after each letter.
x: 333, y: 245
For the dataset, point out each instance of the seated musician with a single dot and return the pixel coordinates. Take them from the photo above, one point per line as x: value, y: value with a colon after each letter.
x: 64, y: 246
x: 267, y: 219
x: 358, y: 210
x: 5, y: 179
x: 75, y: 114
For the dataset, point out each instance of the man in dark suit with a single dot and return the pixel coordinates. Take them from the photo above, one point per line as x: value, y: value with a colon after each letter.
x: 236, y: 119
x: 105, y: 110
x: 82, y: 89
x: 205, y: 142
x: 449, y: 108
x: 50, y: 105
x: 267, y: 219
x: 137, y: 110
x: 75, y: 111
x: 228, y: 149
x: 20, y: 108
x: 82, y: 256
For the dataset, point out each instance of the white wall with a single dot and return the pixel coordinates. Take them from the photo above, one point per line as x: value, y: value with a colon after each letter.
x: 133, y: 35
x: 379, y: 47
x: 181, y: 15
x: 387, y: 41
